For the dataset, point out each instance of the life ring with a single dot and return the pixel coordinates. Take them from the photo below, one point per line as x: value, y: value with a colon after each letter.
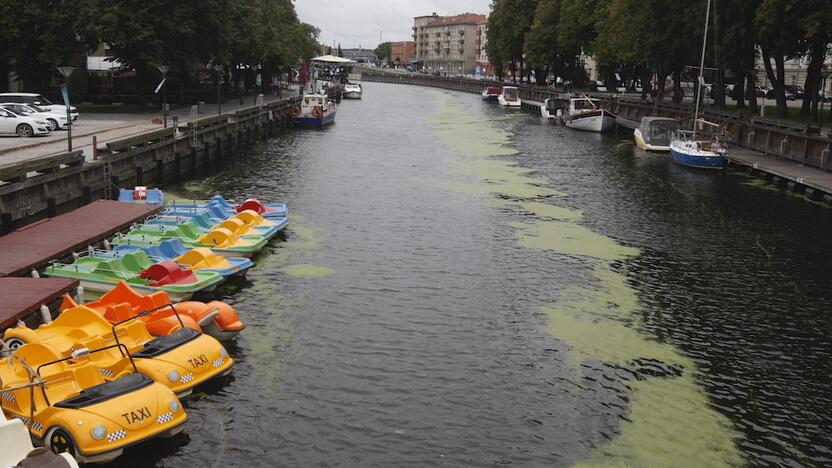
x: 295, y: 111
x: 317, y: 111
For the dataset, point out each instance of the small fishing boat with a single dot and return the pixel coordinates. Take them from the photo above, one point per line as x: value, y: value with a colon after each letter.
x: 491, y: 93
x: 586, y: 114
x: 314, y: 110
x: 72, y: 405
x: 554, y: 108
x: 142, y: 195
x: 180, y: 360
x: 352, y: 91
x: 655, y: 133
x: 214, y: 318
x: 99, y: 275
x: 691, y: 148
x: 509, y: 97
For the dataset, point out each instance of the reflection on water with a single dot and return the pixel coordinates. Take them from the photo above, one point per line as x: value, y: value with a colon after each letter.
x: 460, y: 286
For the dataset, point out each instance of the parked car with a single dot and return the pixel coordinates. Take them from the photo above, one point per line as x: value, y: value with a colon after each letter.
x: 790, y: 91
x: 21, y: 125
x: 38, y: 100
x: 825, y: 95
x: 56, y: 119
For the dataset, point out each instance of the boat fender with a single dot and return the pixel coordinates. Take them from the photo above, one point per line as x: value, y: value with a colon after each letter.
x: 45, y: 315
x: 35, y: 274
x: 79, y: 295
x: 317, y: 111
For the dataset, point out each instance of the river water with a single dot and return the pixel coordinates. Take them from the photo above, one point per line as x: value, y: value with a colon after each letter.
x: 462, y: 285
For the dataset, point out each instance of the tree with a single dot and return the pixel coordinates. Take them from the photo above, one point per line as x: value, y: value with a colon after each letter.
x: 384, y: 51
x: 778, y: 33
x: 541, y: 43
x: 508, y: 24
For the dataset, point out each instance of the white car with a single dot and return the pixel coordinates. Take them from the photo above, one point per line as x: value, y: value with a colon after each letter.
x: 56, y: 119
x: 13, y: 124
x: 38, y: 100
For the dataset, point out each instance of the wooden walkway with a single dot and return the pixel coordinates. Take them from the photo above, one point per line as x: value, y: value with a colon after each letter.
x: 24, y: 296
x: 32, y: 247
x: 788, y: 170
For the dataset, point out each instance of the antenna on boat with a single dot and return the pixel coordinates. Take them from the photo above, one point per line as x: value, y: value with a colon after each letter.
x: 701, y: 82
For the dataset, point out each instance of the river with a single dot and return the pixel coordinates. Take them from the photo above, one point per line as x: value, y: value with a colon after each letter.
x: 462, y: 285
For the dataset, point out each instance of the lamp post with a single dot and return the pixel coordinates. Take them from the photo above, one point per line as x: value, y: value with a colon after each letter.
x: 163, y: 69
x: 218, y: 69
x: 825, y: 74
x: 66, y: 72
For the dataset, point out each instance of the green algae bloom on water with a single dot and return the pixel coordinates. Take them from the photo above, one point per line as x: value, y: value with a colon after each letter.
x: 306, y: 270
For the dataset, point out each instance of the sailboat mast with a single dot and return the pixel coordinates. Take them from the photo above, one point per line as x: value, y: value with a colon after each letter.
x: 700, y: 81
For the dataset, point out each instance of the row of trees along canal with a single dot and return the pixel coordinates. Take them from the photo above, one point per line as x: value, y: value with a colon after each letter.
x: 637, y: 38
x: 244, y: 37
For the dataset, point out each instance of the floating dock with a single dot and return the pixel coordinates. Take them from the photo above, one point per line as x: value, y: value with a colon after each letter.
x: 24, y: 296
x: 813, y: 182
x: 35, y: 245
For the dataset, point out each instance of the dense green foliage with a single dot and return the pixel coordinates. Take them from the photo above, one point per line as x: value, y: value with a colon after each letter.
x: 384, y: 51
x: 242, y: 36
x: 653, y: 40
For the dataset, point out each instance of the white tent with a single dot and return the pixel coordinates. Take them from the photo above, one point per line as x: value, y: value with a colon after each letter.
x: 332, y: 60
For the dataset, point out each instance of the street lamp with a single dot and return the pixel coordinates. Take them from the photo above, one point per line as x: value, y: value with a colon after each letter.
x: 824, y: 74
x: 66, y: 72
x: 218, y: 69
x: 163, y: 69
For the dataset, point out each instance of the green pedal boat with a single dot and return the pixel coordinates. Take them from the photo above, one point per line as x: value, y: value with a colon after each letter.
x: 220, y: 240
x: 99, y: 275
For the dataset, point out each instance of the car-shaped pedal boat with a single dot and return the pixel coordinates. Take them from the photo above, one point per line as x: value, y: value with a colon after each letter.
x: 180, y: 360
x: 197, y: 259
x: 220, y: 240
x: 99, y: 275
x: 68, y: 405
x: 205, y: 222
x: 214, y: 318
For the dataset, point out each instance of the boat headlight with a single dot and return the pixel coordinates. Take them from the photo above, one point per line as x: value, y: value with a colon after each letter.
x: 98, y: 432
x: 223, y: 353
x: 173, y: 376
x: 174, y: 406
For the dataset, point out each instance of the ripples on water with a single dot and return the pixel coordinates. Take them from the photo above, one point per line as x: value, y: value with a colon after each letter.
x: 411, y: 318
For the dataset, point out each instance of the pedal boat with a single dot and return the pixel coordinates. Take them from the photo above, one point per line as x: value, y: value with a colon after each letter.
x: 214, y: 318
x: 220, y: 240
x: 16, y: 443
x: 180, y: 360
x: 245, y: 223
x: 69, y: 407
x: 269, y: 210
x: 99, y: 275
x: 198, y: 259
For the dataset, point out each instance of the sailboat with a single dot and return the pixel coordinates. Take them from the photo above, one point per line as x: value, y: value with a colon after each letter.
x: 686, y: 147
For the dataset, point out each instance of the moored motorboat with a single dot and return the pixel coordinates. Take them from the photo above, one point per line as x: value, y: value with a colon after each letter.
x: 554, y: 108
x: 491, y: 93
x: 586, y: 114
x: 352, y: 91
x: 509, y: 97
x: 314, y: 110
x: 143, y: 195
x: 655, y: 133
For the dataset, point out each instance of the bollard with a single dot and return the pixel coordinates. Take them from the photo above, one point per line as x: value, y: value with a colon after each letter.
x: 94, y: 148
x: 79, y: 295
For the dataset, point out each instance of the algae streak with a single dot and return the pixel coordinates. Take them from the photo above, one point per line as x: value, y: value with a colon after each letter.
x: 670, y: 420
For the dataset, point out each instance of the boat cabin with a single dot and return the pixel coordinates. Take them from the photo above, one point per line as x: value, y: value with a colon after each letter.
x: 312, y: 100
x: 493, y: 91
x: 510, y: 93
x: 658, y: 131
x: 583, y: 104
x: 553, y: 105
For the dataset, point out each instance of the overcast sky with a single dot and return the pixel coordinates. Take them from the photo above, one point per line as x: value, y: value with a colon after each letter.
x: 358, y: 22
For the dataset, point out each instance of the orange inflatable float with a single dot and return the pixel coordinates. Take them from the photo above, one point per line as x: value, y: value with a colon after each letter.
x: 214, y: 318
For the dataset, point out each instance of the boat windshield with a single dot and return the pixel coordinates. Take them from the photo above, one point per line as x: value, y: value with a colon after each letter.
x: 661, y: 132
x: 510, y: 93
x: 581, y: 104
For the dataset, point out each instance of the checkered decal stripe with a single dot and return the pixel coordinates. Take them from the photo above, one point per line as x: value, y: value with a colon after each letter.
x: 106, y: 372
x: 118, y: 435
x: 164, y: 418
x: 36, y: 426
x: 218, y: 362
x: 8, y: 396
x: 187, y: 378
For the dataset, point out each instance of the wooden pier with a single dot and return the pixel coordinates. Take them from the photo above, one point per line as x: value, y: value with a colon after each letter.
x: 22, y: 297
x: 35, y: 245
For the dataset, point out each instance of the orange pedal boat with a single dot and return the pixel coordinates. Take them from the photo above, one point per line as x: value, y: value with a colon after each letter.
x: 215, y: 318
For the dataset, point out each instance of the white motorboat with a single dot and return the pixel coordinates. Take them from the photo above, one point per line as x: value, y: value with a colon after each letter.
x: 492, y: 93
x: 586, y: 114
x: 655, y: 133
x: 352, y: 91
x: 554, y: 108
x: 510, y: 97
x: 315, y: 110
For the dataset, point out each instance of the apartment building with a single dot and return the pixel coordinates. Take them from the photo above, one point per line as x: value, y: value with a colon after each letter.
x: 401, y: 53
x: 450, y: 45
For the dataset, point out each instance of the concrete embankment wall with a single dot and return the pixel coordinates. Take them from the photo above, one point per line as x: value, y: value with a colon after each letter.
x: 45, y: 186
x: 771, y: 137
